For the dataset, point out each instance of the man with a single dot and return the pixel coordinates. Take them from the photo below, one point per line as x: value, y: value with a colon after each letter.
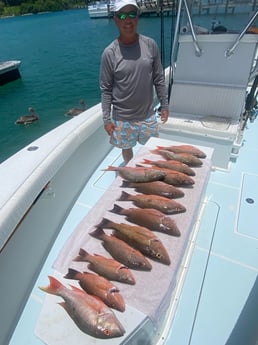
x: 130, y: 68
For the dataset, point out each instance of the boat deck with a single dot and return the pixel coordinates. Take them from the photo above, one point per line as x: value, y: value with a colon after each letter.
x: 219, y: 276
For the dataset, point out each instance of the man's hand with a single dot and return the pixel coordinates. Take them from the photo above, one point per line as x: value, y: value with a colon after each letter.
x: 109, y: 127
x: 164, y: 115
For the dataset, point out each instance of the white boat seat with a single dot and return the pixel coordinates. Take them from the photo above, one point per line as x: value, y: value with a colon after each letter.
x: 208, y: 93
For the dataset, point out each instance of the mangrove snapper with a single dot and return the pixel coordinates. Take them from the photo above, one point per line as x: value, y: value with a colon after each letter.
x: 185, y: 158
x: 193, y: 150
x: 108, y: 268
x: 149, y: 218
x: 156, y: 187
x: 163, y: 204
x: 98, y: 286
x: 140, y: 238
x: 171, y: 164
x: 122, y: 252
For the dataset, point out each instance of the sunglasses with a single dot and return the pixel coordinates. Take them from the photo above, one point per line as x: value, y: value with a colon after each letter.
x: 124, y: 15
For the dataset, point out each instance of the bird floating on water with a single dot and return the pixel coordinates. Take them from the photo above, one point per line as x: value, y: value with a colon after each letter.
x: 77, y: 111
x: 27, y: 119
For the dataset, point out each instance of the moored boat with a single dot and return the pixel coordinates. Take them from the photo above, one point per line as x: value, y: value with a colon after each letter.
x: 9, y: 71
x: 48, y: 209
x: 100, y: 9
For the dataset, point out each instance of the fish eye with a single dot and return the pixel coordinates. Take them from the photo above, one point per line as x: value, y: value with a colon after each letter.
x: 158, y: 256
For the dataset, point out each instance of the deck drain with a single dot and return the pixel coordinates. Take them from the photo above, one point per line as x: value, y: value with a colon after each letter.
x: 249, y: 200
x: 32, y: 148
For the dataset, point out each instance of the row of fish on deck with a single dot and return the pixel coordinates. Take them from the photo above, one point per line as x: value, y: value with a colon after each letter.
x: 132, y: 245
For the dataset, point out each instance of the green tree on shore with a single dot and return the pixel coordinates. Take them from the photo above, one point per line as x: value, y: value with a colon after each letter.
x: 19, y: 7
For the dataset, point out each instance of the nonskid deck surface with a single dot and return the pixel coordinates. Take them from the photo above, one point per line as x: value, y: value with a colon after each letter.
x: 223, y: 266
x: 218, y: 304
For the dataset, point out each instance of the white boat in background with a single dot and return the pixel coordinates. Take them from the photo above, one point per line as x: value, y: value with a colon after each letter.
x: 9, y: 71
x: 55, y: 192
x: 100, y: 9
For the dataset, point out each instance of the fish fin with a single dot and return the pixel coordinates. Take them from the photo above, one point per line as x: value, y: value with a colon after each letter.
x: 105, y: 223
x: 71, y: 274
x: 53, y: 287
x: 124, y: 196
x: 98, y: 233
x: 76, y: 289
x: 64, y: 305
x: 110, y: 168
x: 116, y: 209
x: 155, y: 151
x: 125, y: 184
x: 147, y: 161
x: 82, y: 255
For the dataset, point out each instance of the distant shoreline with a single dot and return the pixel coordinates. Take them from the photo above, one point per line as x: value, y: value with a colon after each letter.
x: 44, y: 12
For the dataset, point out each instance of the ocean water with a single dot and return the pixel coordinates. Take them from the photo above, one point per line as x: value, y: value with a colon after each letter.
x: 60, y: 54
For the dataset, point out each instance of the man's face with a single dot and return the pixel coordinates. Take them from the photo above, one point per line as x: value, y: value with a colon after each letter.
x: 127, y: 20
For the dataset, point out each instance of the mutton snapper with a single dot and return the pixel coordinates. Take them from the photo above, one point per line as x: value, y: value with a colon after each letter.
x: 186, y: 158
x: 155, y: 187
x: 171, y: 164
x: 122, y: 252
x: 193, y: 150
x: 163, y: 204
x: 98, y: 286
x: 138, y: 174
x: 140, y: 238
x: 89, y: 313
x: 108, y: 268
x: 149, y: 218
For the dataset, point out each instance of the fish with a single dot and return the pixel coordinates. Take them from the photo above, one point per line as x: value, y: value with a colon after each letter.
x: 185, y: 158
x: 140, y: 238
x: 89, y: 313
x: 163, y: 204
x: 108, y: 268
x: 122, y: 252
x: 155, y: 187
x: 98, y: 286
x: 177, y: 178
x: 193, y: 150
x: 149, y: 218
x: 138, y: 174
x: 171, y: 164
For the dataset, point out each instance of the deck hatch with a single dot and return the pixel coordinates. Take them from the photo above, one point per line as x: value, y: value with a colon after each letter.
x: 248, y: 206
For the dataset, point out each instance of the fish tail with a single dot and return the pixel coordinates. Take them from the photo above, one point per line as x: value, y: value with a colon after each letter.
x: 124, y: 196
x: 110, y: 168
x: 63, y: 305
x: 98, y: 233
x: 72, y: 274
x: 105, y: 223
x: 147, y: 161
x: 82, y: 255
x: 155, y: 151
x: 53, y: 287
x: 117, y: 209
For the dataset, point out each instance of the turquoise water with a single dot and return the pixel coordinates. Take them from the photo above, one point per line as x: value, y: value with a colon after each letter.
x: 60, y: 54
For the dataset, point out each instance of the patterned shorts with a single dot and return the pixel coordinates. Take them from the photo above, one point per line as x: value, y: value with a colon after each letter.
x: 127, y: 134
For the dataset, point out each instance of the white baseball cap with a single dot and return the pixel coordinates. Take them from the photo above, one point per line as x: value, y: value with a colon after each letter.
x: 122, y: 3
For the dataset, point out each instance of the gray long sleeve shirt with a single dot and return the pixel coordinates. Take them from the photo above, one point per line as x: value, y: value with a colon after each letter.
x: 127, y: 76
